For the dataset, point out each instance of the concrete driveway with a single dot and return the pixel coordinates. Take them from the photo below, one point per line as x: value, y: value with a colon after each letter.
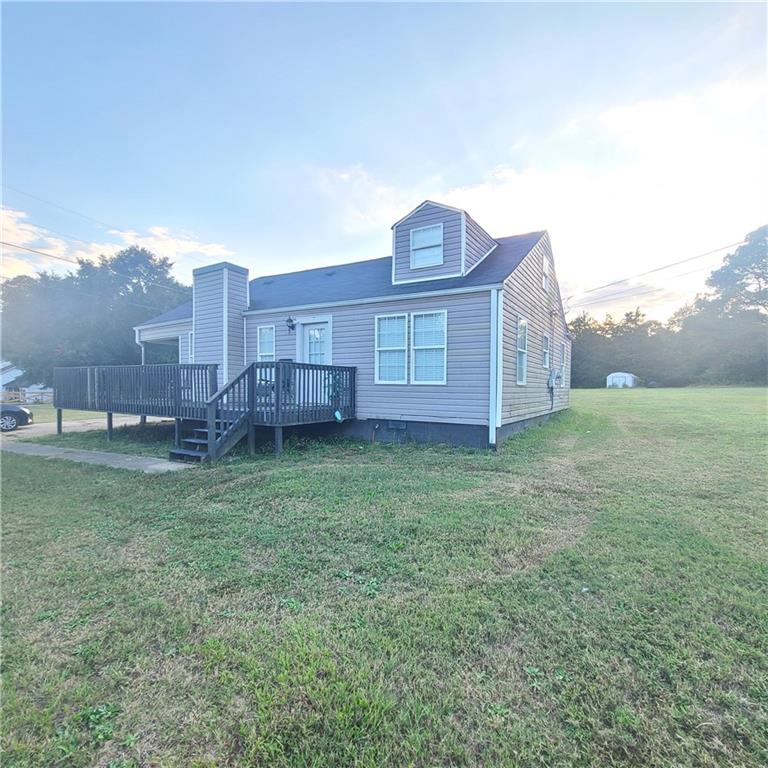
x: 81, y: 425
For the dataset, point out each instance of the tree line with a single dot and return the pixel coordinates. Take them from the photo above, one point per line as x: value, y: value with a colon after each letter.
x: 86, y: 317
x: 720, y: 338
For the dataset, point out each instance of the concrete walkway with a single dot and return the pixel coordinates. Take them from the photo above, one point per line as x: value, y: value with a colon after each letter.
x: 45, y: 428
x: 146, y: 464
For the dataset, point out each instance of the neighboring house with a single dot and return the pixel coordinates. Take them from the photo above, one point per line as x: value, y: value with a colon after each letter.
x: 620, y: 380
x: 9, y: 373
x: 11, y: 384
x: 457, y: 337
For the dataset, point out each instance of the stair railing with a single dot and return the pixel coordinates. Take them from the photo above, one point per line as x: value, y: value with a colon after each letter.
x: 231, y: 407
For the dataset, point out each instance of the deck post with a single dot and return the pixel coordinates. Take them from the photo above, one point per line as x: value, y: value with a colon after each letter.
x: 143, y: 417
x: 58, y: 420
x: 210, y: 417
x: 278, y: 441
x: 213, y: 380
x: 177, y: 432
x: 251, y: 438
x: 109, y: 426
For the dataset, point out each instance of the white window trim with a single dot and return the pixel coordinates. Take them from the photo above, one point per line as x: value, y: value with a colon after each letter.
x: 524, y: 382
x: 546, y: 352
x: 191, y: 346
x: 442, y: 246
x: 258, y: 344
x: 377, y: 349
x: 444, y: 313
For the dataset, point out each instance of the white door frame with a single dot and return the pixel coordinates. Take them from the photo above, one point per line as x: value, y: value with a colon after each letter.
x: 311, y: 320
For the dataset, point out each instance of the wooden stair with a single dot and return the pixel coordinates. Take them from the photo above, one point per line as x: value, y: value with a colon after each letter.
x: 193, y: 450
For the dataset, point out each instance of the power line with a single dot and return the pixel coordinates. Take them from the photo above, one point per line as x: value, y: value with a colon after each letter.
x: 630, y: 293
x: 63, y: 208
x: 660, y: 269
x: 76, y: 263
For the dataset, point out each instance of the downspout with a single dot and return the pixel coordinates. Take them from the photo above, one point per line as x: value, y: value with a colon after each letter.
x: 493, y: 377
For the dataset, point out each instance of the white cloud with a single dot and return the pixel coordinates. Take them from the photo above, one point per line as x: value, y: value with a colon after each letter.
x: 183, y: 249
x: 621, y: 191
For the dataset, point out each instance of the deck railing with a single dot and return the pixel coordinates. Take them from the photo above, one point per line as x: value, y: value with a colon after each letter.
x: 281, y: 393
x: 287, y: 393
x: 278, y: 394
x: 175, y: 391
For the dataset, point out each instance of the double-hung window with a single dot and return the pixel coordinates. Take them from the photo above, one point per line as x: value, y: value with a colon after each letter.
x: 545, y: 351
x: 427, y: 246
x: 391, y: 346
x: 265, y: 343
x: 522, y: 350
x: 429, y: 341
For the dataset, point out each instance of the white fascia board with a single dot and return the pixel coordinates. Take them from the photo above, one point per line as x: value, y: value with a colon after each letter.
x: 375, y: 299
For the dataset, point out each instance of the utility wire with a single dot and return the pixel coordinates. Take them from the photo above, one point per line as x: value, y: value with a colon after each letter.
x: 62, y: 208
x: 76, y: 263
x: 660, y: 269
x: 629, y: 293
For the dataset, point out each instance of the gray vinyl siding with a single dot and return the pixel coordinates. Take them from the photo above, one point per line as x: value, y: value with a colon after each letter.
x: 478, y: 243
x: 237, y: 292
x: 425, y: 216
x: 164, y: 332
x: 210, y: 314
x: 209, y: 319
x: 464, y: 399
x: 184, y: 348
x: 524, y: 296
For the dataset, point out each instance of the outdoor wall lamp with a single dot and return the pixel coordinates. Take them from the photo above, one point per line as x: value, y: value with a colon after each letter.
x: 291, y: 323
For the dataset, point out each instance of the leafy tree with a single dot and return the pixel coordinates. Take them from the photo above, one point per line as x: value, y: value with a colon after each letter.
x: 742, y: 281
x: 86, y: 316
x: 718, y: 339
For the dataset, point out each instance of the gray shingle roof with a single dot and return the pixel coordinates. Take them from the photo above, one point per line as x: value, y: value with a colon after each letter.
x: 373, y: 278
x: 182, y: 312
x: 368, y: 279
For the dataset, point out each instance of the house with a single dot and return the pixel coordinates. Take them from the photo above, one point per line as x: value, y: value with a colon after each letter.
x: 620, y: 380
x: 457, y: 337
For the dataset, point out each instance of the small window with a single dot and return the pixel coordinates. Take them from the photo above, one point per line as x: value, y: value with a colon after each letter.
x: 522, y: 350
x: 562, y: 365
x: 428, y: 347
x: 545, y: 351
x: 545, y: 274
x: 190, y: 347
x: 427, y: 246
x: 391, y: 345
x: 265, y: 343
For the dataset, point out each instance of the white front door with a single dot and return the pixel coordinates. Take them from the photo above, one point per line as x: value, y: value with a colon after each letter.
x: 315, y: 344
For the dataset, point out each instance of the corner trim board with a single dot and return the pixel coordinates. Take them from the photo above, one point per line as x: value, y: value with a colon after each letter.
x: 225, y: 298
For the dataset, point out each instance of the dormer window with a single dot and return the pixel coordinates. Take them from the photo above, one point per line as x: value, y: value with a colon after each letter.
x: 427, y: 246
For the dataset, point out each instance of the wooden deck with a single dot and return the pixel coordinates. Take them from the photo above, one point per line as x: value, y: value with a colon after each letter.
x: 273, y: 394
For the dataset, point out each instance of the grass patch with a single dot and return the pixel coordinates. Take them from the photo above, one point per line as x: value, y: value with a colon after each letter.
x: 45, y: 414
x: 153, y: 439
x: 593, y: 594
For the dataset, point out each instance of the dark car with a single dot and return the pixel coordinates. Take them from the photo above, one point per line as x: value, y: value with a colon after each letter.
x: 12, y: 416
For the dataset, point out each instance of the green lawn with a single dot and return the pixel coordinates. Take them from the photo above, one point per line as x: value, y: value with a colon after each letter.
x: 153, y: 439
x: 45, y: 413
x: 594, y: 594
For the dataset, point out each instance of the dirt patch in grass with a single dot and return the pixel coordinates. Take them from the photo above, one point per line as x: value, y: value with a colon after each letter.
x: 544, y: 543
